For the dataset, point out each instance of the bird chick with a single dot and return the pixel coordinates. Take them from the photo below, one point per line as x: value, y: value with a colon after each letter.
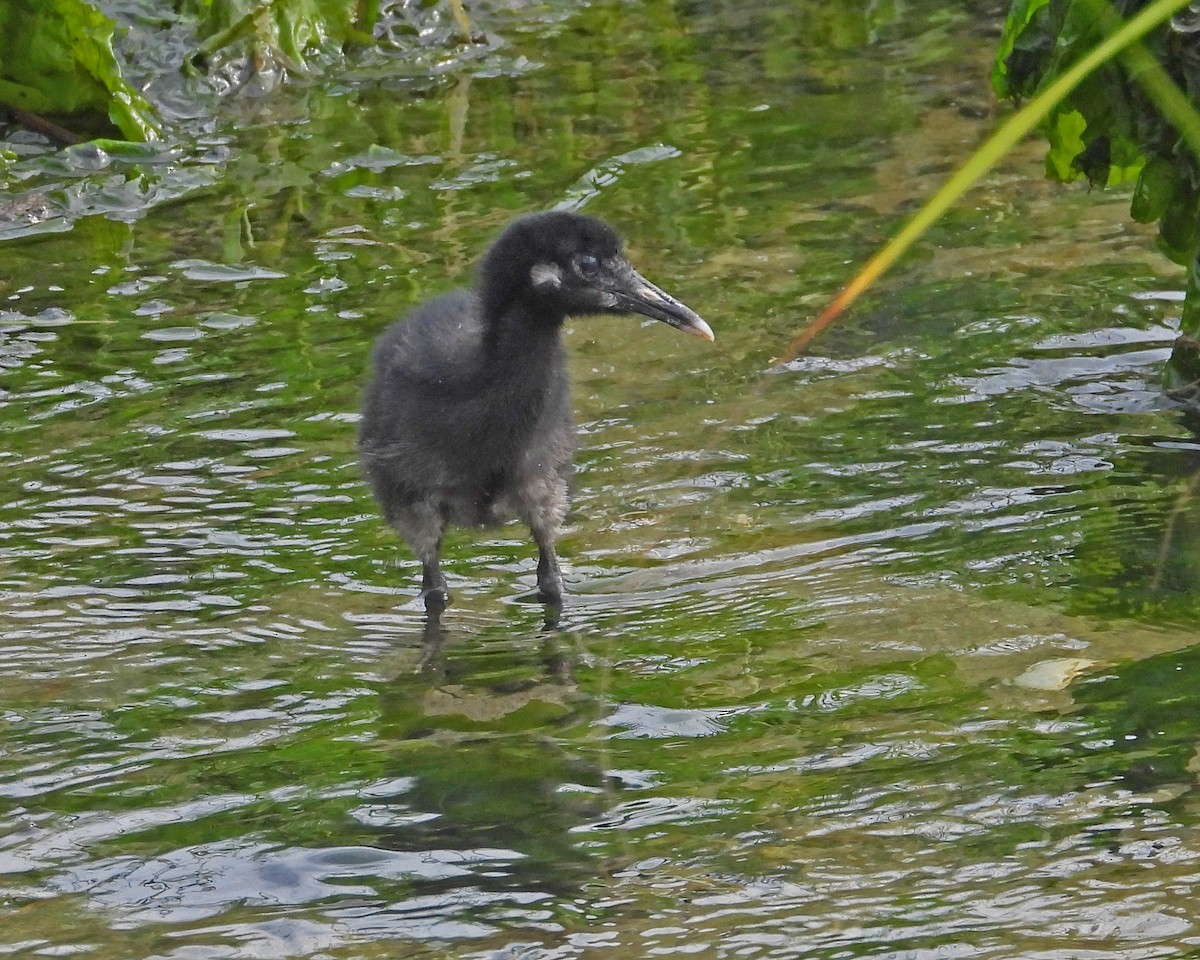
x: 466, y: 419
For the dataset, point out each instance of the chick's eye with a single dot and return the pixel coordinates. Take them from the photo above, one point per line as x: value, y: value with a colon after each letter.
x: 587, y: 265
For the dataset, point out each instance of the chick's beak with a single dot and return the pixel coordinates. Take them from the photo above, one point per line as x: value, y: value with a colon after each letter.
x: 638, y: 295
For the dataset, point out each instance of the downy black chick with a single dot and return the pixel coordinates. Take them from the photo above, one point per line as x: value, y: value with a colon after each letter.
x: 467, y: 417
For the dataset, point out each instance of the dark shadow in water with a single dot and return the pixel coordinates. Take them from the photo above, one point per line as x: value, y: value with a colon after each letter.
x: 1147, y: 715
x: 1136, y: 554
x: 433, y: 638
x: 473, y: 750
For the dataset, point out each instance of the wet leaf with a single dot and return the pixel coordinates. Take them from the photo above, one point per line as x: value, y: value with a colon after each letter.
x: 56, y: 57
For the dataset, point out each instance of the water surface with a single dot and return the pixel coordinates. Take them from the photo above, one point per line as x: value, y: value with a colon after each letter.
x: 886, y: 652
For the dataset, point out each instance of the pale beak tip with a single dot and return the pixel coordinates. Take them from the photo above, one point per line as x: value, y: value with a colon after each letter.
x: 698, y: 328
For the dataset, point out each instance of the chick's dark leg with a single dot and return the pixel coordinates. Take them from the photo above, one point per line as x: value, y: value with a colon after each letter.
x: 545, y: 508
x: 421, y: 525
x: 433, y: 582
x: 549, y: 577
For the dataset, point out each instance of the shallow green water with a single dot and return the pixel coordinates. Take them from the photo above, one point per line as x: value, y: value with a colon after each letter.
x: 889, y: 653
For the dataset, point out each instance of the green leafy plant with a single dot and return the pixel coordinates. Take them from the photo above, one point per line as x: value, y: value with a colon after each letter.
x: 56, y: 57
x: 1131, y: 118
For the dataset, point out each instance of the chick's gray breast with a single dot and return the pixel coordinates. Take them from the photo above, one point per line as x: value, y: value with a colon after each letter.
x: 472, y: 421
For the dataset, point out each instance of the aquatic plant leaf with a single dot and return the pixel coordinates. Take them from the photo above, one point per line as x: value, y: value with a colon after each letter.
x: 1015, y: 64
x: 56, y: 57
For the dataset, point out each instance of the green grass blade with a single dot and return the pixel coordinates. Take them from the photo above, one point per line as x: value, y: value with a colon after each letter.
x: 1181, y: 113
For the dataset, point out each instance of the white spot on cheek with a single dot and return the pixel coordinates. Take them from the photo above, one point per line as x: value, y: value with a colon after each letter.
x: 608, y: 300
x: 545, y: 274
